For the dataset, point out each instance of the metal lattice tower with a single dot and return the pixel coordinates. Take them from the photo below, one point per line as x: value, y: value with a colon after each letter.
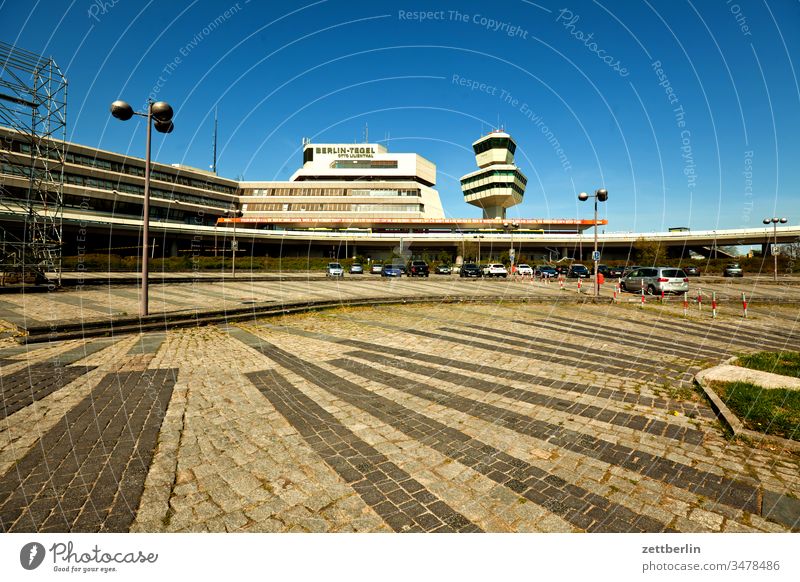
x: 33, y: 111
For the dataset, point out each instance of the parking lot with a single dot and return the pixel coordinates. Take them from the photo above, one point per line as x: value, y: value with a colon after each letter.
x: 103, y: 302
x: 459, y: 418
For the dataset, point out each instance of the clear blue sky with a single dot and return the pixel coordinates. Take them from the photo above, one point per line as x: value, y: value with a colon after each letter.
x: 580, y: 76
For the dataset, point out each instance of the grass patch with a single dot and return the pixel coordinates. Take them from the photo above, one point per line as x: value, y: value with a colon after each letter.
x: 784, y: 363
x: 771, y: 411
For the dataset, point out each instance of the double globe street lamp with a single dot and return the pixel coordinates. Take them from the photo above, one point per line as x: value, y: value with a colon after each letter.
x: 600, y: 195
x: 160, y: 113
x: 775, y: 220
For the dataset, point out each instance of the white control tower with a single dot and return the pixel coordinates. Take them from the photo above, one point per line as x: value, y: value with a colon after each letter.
x: 498, y: 184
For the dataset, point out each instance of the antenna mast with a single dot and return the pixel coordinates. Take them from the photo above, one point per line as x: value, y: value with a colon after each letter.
x: 214, y: 162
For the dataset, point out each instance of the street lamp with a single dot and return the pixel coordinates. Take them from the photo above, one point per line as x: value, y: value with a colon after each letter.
x: 161, y: 113
x: 599, y: 195
x: 775, y: 220
x: 510, y: 227
x: 479, y: 237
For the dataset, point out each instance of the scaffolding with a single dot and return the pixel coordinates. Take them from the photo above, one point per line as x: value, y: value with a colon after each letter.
x: 33, y: 108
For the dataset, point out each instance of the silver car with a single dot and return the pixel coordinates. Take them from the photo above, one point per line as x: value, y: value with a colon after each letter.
x: 654, y: 280
x: 334, y: 270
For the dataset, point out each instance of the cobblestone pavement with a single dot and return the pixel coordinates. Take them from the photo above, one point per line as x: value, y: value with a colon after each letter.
x: 93, y: 303
x: 449, y: 418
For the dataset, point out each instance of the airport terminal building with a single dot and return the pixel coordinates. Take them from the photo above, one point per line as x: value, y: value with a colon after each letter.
x: 345, y: 199
x: 341, y: 192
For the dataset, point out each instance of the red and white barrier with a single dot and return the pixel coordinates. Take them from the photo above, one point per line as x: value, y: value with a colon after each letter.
x: 699, y: 299
x: 642, y: 303
x: 714, y: 305
x: 685, y: 303
x: 744, y: 306
x: 561, y: 282
x: 579, y: 284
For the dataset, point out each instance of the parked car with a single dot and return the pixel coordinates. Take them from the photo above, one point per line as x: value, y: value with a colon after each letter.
x: 628, y: 270
x: 609, y: 272
x: 732, y: 270
x: 443, y: 270
x: 356, y: 269
x: 390, y: 270
x: 377, y: 268
x: 578, y: 272
x: 692, y: 271
x: 495, y: 270
x: 654, y: 280
x: 334, y: 270
x: 470, y: 270
x: 545, y: 272
x: 524, y: 269
x: 418, y: 269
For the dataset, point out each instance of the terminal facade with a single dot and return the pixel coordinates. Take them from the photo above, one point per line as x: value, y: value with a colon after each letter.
x: 344, y: 200
x: 361, y: 191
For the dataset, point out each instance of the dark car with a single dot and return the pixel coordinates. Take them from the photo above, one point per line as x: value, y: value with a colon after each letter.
x: 545, y: 272
x: 610, y: 272
x: 470, y: 270
x: 418, y: 269
x: 578, y: 272
x: 692, y: 271
x: 443, y: 270
x: 390, y: 270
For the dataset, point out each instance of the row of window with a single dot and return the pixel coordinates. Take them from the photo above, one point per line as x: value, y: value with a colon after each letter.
x: 95, y: 162
x: 121, y: 208
x: 505, y: 173
x: 358, y: 164
x: 320, y: 207
x: 495, y: 142
x: 101, y: 184
x: 329, y: 192
x: 492, y: 185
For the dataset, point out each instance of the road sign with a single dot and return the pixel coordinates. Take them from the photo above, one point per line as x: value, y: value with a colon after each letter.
x: 511, y: 255
x: 775, y: 250
x: 235, y: 245
x: 595, y: 255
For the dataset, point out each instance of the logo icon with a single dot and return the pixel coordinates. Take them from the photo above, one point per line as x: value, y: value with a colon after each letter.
x: 31, y: 555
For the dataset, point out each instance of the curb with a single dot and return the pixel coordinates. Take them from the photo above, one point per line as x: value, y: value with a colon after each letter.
x: 729, y: 419
x: 59, y: 331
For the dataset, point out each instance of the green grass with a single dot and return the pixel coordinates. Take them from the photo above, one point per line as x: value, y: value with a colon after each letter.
x: 771, y: 411
x: 784, y: 363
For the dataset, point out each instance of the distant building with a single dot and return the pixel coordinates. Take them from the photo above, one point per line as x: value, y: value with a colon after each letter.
x: 340, y: 184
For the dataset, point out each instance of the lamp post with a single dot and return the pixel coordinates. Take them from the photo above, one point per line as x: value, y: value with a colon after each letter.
x: 599, y: 195
x: 161, y: 113
x: 234, y: 214
x: 510, y: 227
x: 775, y: 220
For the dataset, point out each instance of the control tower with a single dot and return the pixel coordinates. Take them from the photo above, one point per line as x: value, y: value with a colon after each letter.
x: 498, y: 184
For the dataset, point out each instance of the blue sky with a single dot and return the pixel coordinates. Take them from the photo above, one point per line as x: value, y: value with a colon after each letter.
x: 687, y: 112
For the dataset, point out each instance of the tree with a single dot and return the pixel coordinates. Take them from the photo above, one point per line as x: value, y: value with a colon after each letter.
x: 649, y: 252
x: 470, y: 251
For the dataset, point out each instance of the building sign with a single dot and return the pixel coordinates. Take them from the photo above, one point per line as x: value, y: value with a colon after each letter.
x: 346, y: 151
